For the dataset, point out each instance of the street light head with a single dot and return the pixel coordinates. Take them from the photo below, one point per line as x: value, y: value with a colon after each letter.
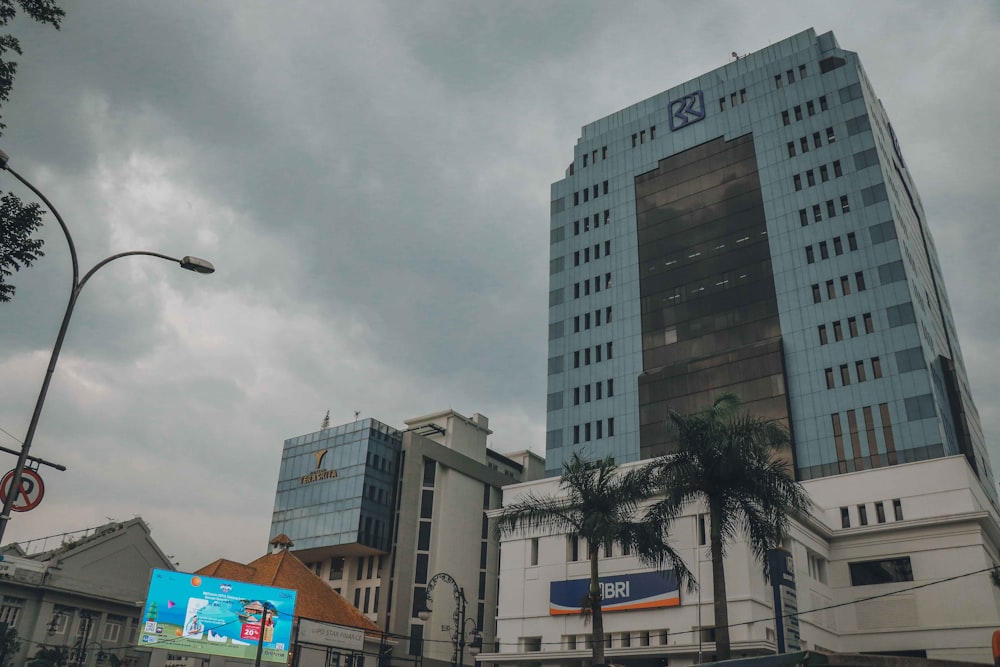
x: 197, y: 264
x: 424, y: 614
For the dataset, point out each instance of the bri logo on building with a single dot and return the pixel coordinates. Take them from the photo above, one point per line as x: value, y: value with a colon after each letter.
x: 643, y: 590
x: 687, y: 110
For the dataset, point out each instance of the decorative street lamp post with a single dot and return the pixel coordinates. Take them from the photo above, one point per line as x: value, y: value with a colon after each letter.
x: 462, y: 627
x: 189, y: 263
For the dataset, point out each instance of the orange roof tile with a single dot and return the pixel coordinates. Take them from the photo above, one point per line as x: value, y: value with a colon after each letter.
x: 314, y: 600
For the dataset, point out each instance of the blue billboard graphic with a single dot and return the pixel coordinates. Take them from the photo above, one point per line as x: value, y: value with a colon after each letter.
x: 195, y: 614
x: 623, y: 592
x: 687, y: 110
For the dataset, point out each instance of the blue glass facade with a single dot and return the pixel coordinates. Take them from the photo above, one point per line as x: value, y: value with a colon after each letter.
x: 864, y: 362
x: 336, y: 486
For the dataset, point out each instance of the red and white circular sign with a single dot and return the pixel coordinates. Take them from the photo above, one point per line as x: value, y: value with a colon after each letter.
x: 32, y: 490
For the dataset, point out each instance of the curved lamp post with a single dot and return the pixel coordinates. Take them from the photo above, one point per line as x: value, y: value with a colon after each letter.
x: 189, y: 263
x: 461, y: 627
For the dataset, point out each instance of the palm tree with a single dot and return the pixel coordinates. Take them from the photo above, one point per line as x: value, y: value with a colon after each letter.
x: 50, y: 656
x: 726, y: 459
x: 603, y: 506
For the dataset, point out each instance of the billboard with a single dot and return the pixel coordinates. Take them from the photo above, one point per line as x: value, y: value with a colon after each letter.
x: 196, y: 614
x: 623, y: 592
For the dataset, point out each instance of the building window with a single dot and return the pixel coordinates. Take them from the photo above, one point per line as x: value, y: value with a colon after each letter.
x: 533, y: 557
x: 823, y: 340
x: 863, y: 515
x: 890, y: 570
x: 817, y: 213
x: 336, y: 568
x: 831, y: 210
x: 784, y: 118
x: 859, y: 280
x: 876, y: 368
x: 838, y: 246
x: 810, y: 257
x: 824, y: 252
x: 611, y: 426
x: 803, y: 217
x: 845, y: 283
x: 10, y: 610
x: 831, y: 291
x: 852, y: 241
x: 810, y: 178
x: 573, y: 542
x: 797, y: 180
x: 817, y: 141
x: 845, y: 375
x: 804, y: 144
x: 823, y: 106
x: 576, y: 434
x: 869, y: 323
x: 838, y: 331
x: 880, y: 512
x: 859, y: 369
x: 829, y: 378
x: 845, y: 206
x: 897, y: 509
x: 837, y: 171
x: 777, y: 81
x: 824, y: 174
x: 845, y: 517
x: 790, y: 75
x: 791, y: 149
x: 798, y: 112
x: 586, y: 432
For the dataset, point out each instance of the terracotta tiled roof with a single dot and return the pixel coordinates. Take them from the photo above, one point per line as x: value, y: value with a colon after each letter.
x: 314, y: 599
x: 282, y: 540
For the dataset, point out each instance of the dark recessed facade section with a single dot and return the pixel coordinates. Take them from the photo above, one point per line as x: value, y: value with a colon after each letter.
x: 709, y: 311
x: 756, y: 373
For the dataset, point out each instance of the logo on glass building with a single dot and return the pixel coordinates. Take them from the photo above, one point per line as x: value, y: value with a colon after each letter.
x: 687, y: 110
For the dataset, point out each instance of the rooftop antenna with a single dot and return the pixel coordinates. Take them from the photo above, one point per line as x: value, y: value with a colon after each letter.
x: 357, y: 413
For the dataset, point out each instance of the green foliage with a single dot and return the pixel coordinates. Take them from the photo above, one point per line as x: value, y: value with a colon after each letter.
x: 50, y: 656
x: 727, y: 460
x: 9, y: 644
x: 18, y: 221
x: 603, y: 505
x: 17, y: 247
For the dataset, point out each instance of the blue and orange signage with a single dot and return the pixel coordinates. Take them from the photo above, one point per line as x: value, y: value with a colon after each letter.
x: 623, y: 592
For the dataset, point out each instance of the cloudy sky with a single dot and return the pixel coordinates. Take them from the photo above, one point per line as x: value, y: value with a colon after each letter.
x: 371, y: 180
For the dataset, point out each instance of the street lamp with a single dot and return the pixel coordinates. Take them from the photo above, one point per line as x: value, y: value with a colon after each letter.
x: 189, y: 263
x: 462, y: 627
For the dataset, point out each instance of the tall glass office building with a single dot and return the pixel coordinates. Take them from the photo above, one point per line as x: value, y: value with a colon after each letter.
x: 756, y: 231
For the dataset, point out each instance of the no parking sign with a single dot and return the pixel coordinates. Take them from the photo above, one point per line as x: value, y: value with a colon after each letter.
x: 32, y: 490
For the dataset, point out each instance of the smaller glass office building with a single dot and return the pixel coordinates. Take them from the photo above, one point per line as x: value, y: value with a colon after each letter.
x: 335, y: 488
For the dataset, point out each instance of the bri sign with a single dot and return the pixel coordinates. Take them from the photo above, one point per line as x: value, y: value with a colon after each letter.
x: 623, y: 592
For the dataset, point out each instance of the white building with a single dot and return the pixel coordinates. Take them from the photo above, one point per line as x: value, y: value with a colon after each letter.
x: 869, y: 559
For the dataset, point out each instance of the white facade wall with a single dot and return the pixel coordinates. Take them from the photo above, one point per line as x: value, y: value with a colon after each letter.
x: 948, y: 529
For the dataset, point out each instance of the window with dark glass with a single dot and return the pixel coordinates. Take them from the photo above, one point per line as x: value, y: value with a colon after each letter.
x: 784, y: 118
x: 838, y: 246
x: 817, y: 213
x: 897, y: 509
x: 876, y: 367
x: 817, y: 141
x: 576, y: 435
x: 586, y: 394
x: 863, y: 515
x: 777, y: 81
x: 852, y: 326
x: 859, y: 370
x: 586, y: 432
x: 845, y: 375
x: 586, y: 356
x: 845, y: 205
x: 791, y: 149
x: 880, y: 512
x: 607, y: 247
x: 790, y: 75
x: 859, y: 280
x: 817, y: 295
x: 831, y: 210
x: 822, y: 103
x: 426, y: 506
x: 802, y: 72
x: 611, y: 426
x: 845, y: 284
x: 599, y: 429
x: 836, y: 169
x: 424, y: 536
x: 810, y: 178
x: 845, y: 517
x: 576, y: 359
x: 824, y: 252
x: 598, y: 388
x: 887, y: 571
x: 611, y: 388
x: 831, y: 291
x: 608, y: 347
x: 869, y: 323
x: 810, y: 258
x: 852, y: 241
x: 810, y: 108
x: 743, y: 95
x: 823, y: 340
x: 824, y: 175
x: 798, y: 112
x: 831, y: 137
x: 829, y: 378
x: 804, y: 144
x: 838, y: 332
x: 803, y: 217
x: 576, y: 396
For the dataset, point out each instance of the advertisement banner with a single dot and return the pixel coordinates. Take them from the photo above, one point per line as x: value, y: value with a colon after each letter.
x: 623, y: 592
x: 195, y: 614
